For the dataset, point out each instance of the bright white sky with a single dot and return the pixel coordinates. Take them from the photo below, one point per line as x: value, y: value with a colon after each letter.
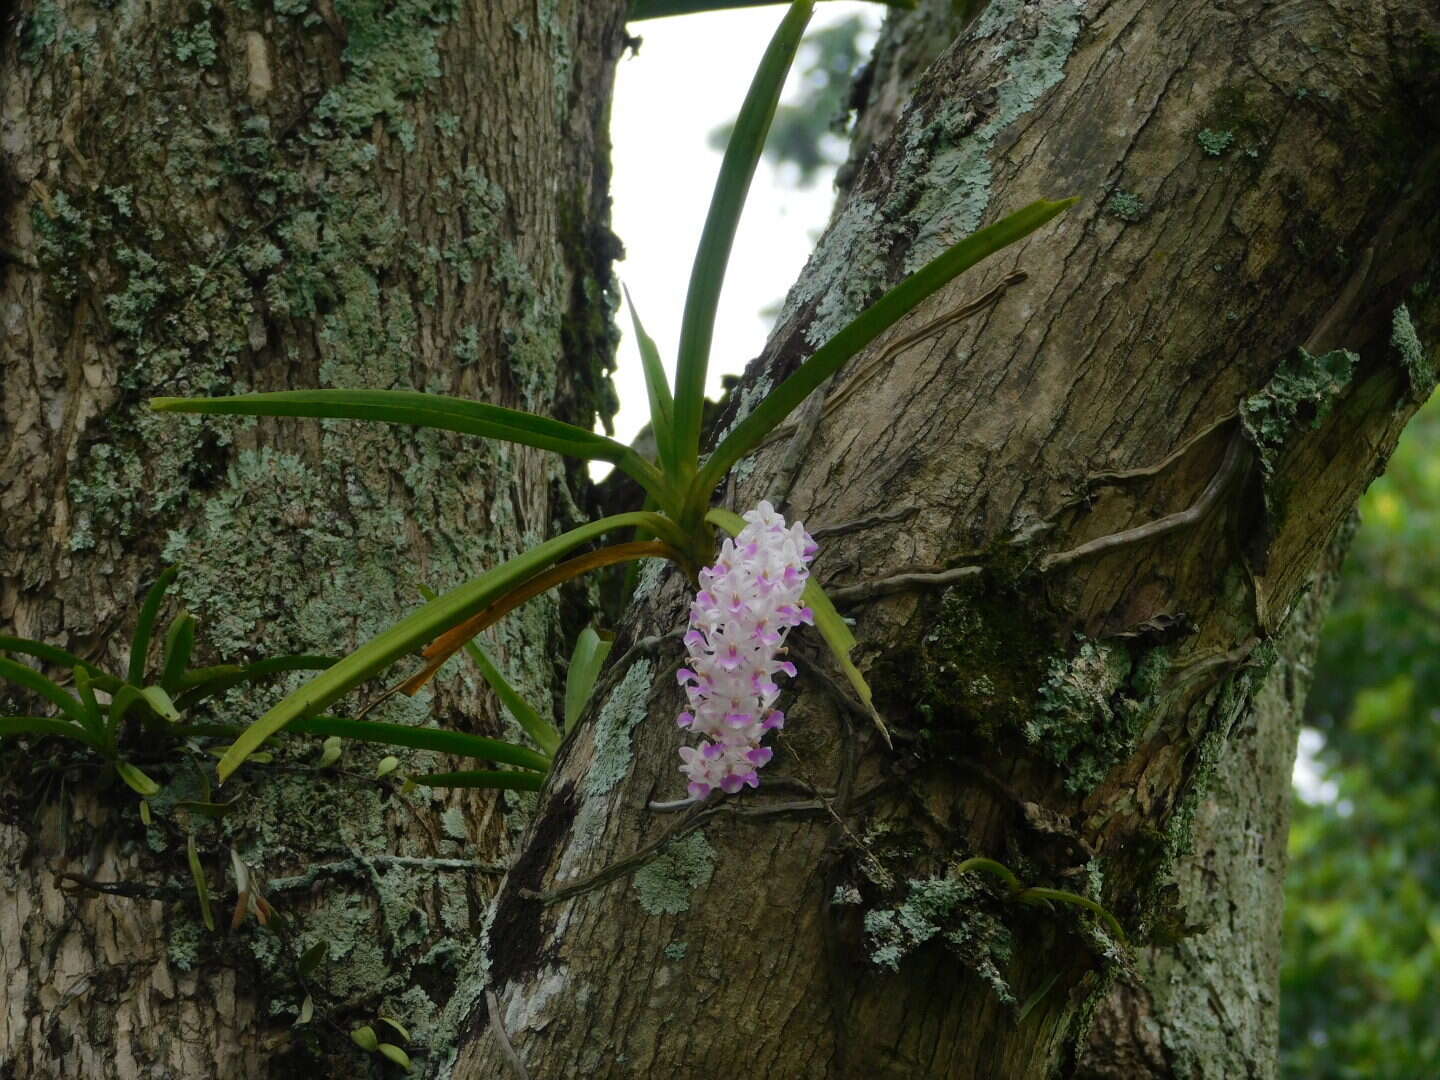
x: 690, y: 77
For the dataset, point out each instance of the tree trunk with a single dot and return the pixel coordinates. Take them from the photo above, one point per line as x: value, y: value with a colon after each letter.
x: 1230, y: 886
x: 1122, y: 473
x: 200, y: 199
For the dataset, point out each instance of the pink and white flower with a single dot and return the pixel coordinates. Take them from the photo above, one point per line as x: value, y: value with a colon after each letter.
x: 747, y: 603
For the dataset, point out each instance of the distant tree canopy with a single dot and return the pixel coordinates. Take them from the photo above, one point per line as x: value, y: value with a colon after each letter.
x: 1362, y: 919
x: 807, y: 133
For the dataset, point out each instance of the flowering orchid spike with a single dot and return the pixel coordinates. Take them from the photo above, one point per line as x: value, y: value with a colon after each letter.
x: 747, y: 603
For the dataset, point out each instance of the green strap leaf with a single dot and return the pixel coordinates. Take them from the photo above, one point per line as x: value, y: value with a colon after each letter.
x: 657, y: 386
x: 179, y: 644
x: 862, y: 330
x: 440, y: 740
x: 526, y: 715
x: 393, y: 1053
x: 28, y: 677
x: 509, y: 781
x: 145, y: 625
x: 655, y: 9
x: 159, y: 701
x: 697, y: 328
x: 431, y: 411
x: 137, y: 780
x: 203, y: 683
x: 591, y: 649
x: 312, y: 958
x: 425, y: 625
x: 45, y: 725
x: 202, y: 886
x: 60, y: 658
x: 95, y: 718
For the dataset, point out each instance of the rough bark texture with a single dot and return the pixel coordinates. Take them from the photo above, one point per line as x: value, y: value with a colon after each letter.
x: 1258, y: 178
x: 205, y: 198
x: 1207, y: 1005
x: 1231, y: 885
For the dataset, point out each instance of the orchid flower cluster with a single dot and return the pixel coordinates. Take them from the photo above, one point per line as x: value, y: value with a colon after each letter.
x: 747, y: 603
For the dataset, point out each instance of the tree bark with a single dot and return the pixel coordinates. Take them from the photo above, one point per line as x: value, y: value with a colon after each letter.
x: 202, y: 199
x: 1142, y: 470
x: 1230, y: 887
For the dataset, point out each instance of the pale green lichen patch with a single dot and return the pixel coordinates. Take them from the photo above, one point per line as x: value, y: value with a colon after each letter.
x: 1125, y: 205
x: 956, y: 177
x: 627, y: 705
x: 666, y: 881
x: 942, y: 185
x: 1418, y: 364
x: 1215, y: 143
x: 943, y: 908
x: 1083, y: 722
x: 1299, y: 395
x: 676, y: 950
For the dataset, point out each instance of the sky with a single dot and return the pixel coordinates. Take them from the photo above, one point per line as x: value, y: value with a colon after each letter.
x: 690, y: 77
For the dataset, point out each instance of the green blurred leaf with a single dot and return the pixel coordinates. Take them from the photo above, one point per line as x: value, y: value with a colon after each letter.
x: 440, y: 740
x: 365, y: 1038
x: 393, y: 1053
x: 28, y: 677
x: 312, y: 958
x: 145, y: 625
x: 159, y: 700
x: 202, y: 886
x: 179, y: 644
x: 213, y: 810
x: 95, y: 717
x: 586, y: 660
x: 60, y: 658
x: 662, y: 405
x: 697, y: 326
x: 861, y: 331
x: 430, y: 411
x: 137, y: 780
x: 399, y: 1027
x: 203, y: 683
x: 45, y: 726
x: 424, y: 626
x: 526, y: 715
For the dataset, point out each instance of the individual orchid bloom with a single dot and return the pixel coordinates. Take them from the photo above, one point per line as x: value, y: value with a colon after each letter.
x: 748, y: 602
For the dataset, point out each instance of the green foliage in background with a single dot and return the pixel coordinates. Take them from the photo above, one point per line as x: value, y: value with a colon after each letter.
x: 1360, y: 994
x: 829, y: 58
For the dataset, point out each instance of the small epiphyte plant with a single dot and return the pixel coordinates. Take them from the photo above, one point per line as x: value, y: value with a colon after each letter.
x: 146, y: 699
x: 151, y: 705
x: 747, y: 603
x: 678, y: 484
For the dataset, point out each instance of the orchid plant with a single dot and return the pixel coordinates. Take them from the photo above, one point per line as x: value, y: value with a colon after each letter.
x: 678, y: 524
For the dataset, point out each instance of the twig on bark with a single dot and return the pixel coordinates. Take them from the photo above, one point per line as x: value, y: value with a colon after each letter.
x: 517, y: 1067
x: 826, y: 532
x: 1230, y: 467
x: 691, y: 821
x: 908, y: 581
x: 134, y: 890
x: 820, y: 405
